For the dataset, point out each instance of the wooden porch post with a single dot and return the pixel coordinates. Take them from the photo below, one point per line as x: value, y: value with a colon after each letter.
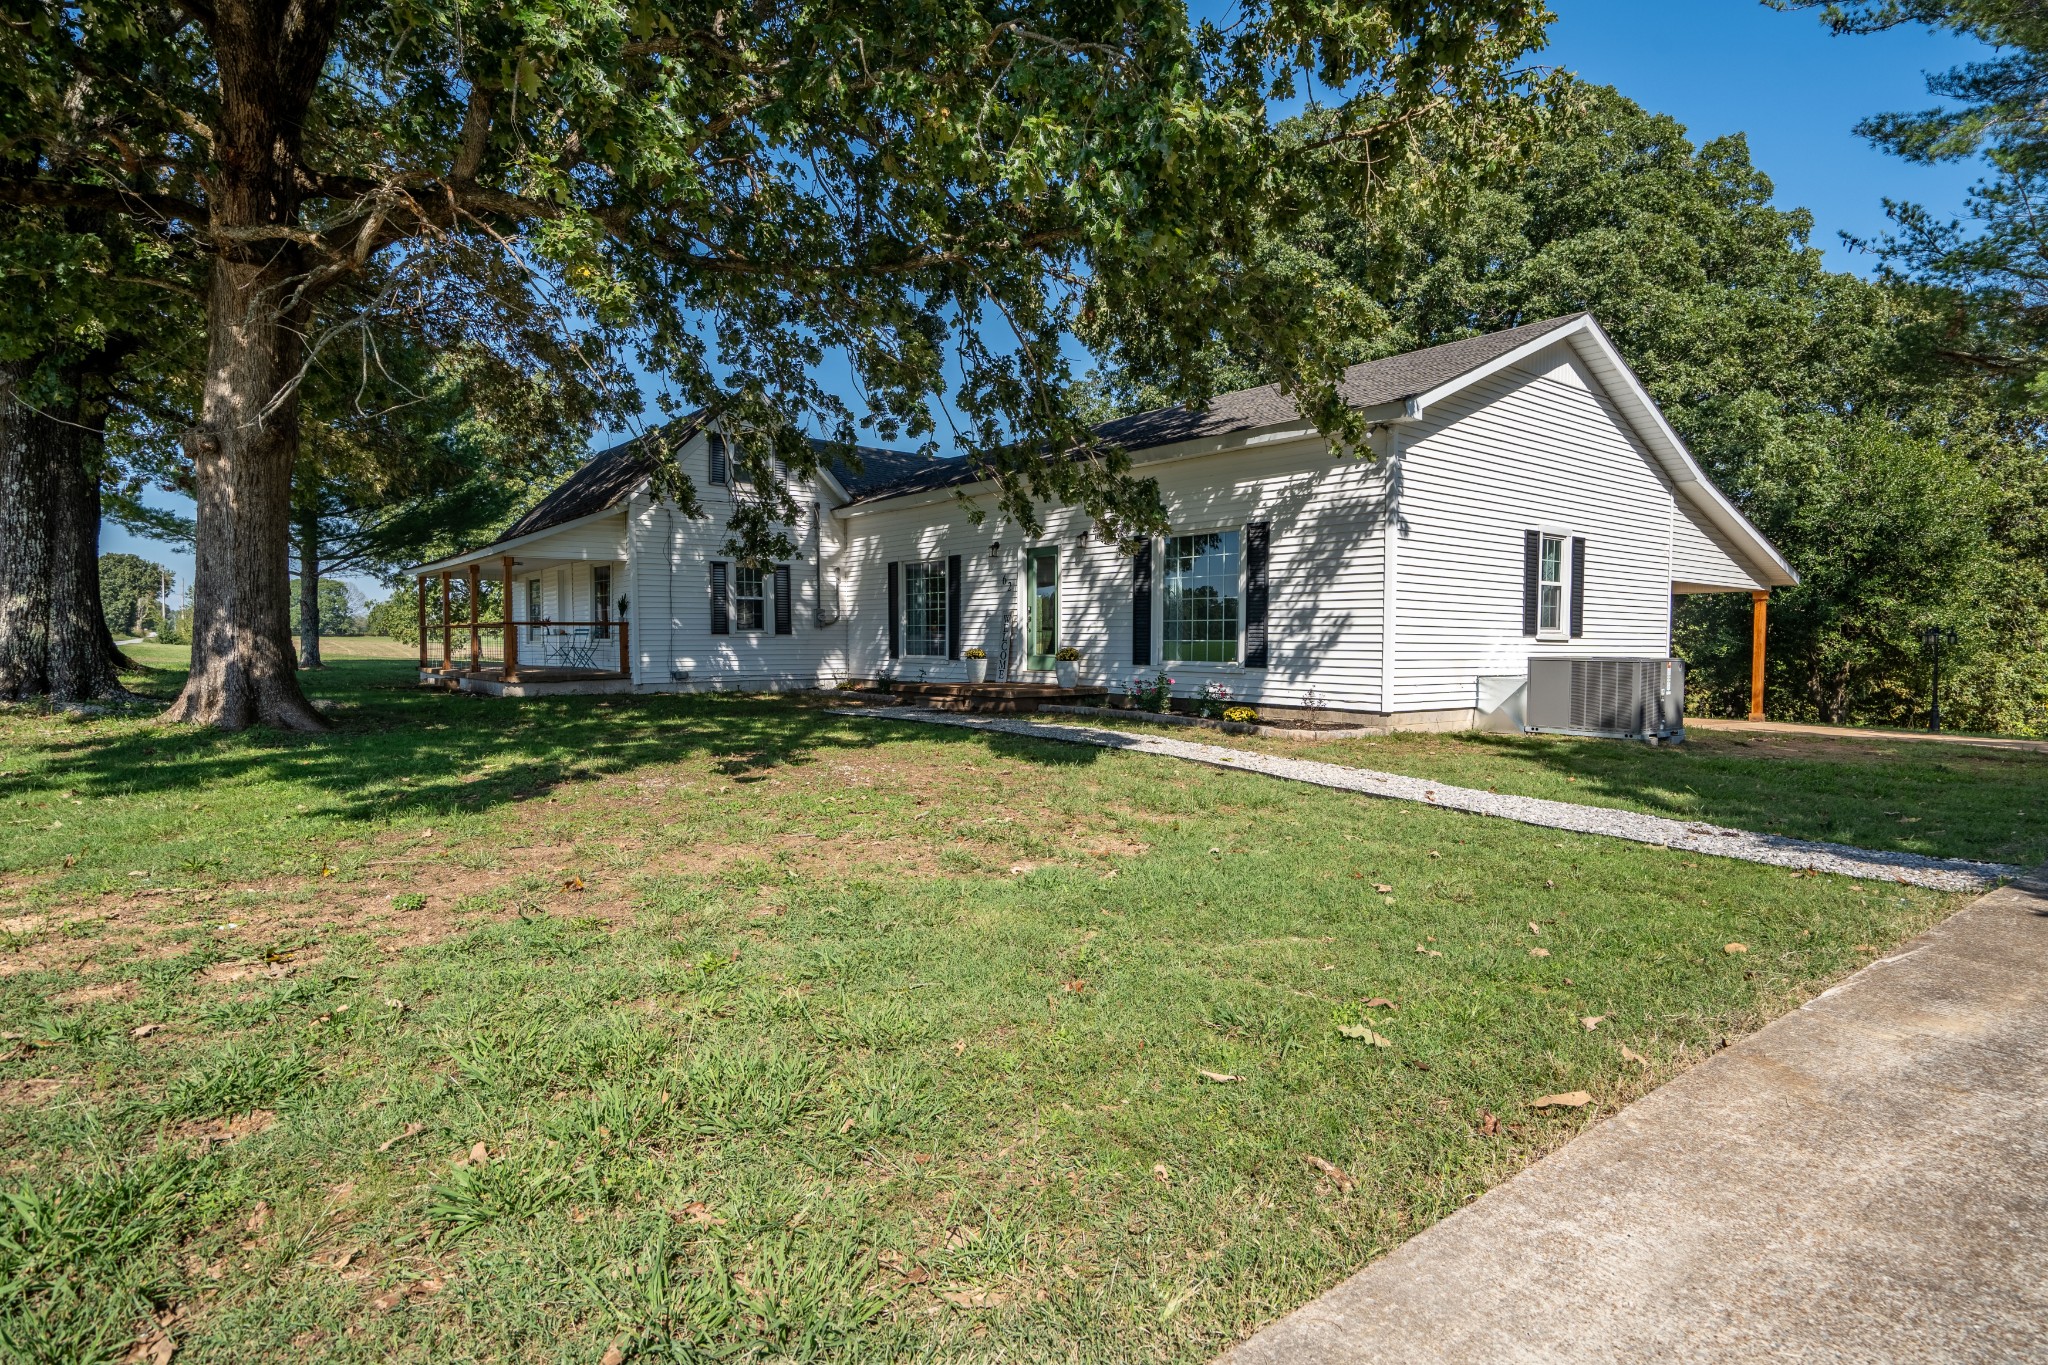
x: 423, y: 623
x: 475, y: 640
x: 1757, y: 601
x: 625, y: 667
x: 447, y: 629
x: 510, y: 671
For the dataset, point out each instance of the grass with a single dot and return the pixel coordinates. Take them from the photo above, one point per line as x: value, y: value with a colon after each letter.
x: 1913, y: 796
x: 722, y: 1028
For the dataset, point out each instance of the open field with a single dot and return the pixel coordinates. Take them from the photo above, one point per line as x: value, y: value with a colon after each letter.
x: 725, y: 1028
x: 1946, y: 800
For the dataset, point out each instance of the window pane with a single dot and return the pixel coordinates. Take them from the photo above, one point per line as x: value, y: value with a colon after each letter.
x: 746, y: 599
x: 1200, y: 584
x: 1550, y: 610
x: 924, y: 608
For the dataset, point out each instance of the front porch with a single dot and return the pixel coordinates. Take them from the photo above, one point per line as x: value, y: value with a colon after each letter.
x: 529, y: 652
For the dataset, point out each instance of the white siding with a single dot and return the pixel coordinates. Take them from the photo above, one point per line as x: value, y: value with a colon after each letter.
x: 671, y: 559
x: 1702, y: 557
x: 1323, y: 609
x: 1533, y: 447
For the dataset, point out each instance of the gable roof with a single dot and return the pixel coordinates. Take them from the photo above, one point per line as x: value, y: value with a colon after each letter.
x: 1373, y: 383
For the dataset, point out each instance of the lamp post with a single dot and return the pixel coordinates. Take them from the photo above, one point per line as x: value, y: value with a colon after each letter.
x: 1931, y: 641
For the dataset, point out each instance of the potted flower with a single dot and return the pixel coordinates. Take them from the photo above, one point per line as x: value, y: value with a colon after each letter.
x: 1067, y: 665
x: 977, y: 664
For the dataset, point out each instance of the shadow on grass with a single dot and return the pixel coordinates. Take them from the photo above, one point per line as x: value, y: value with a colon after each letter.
x: 393, y: 744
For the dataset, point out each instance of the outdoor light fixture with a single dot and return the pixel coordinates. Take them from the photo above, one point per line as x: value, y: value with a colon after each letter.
x: 1931, y: 641
x: 995, y: 551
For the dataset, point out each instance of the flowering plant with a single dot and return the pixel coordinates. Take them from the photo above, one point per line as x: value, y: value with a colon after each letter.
x: 1148, y: 694
x: 1069, y: 655
x: 974, y: 654
x: 1212, y: 700
x: 1240, y: 714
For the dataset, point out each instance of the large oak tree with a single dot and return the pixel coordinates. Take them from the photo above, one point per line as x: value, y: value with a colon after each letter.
x: 724, y: 194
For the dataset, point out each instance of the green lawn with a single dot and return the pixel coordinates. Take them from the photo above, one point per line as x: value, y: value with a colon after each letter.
x: 785, y: 1033
x: 1949, y: 800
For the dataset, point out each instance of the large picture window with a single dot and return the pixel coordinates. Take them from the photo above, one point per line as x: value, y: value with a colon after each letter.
x: 924, y: 608
x: 1200, y: 591
x: 1550, y: 587
x: 749, y: 611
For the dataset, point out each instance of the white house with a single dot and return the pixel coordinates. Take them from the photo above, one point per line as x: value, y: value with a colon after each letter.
x: 1527, y: 499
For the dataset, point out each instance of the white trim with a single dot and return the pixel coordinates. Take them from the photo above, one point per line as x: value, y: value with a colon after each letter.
x: 499, y: 549
x: 1206, y: 526
x: 1390, y: 569
x: 1562, y: 631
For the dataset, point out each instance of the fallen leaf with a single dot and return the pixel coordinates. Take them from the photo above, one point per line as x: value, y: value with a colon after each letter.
x: 1630, y: 1054
x: 1363, y: 1034
x: 1330, y: 1169
x: 1539, y: 952
x: 478, y: 1155
x: 388, y: 1300
x: 959, y: 1046
x: 411, y: 1130
x: 1735, y: 947
x: 697, y: 1211
x: 1075, y: 987
x: 1591, y: 1021
x: 612, y: 1355
x: 155, y: 1349
x: 573, y: 884
x: 975, y: 1297
x: 1434, y: 854
x: 1534, y: 928
x: 1218, y: 1077
x: 394, y: 1003
x: 341, y: 1261
x: 1549, y: 885
x: 1161, y: 1174
x: 1383, y: 888
x: 1380, y: 1002
x: 259, y: 1218
x: 1490, y: 1125
x: 1866, y: 948
x: 1427, y: 952
x: 1570, y: 1099
x: 143, y: 1030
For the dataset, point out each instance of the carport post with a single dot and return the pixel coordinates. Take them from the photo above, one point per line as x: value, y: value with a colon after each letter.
x: 447, y: 629
x: 423, y: 623
x: 1757, y: 601
x: 511, y: 669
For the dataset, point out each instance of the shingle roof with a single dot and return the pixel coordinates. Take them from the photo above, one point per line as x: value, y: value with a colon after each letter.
x: 1371, y: 384
x: 601, y: 482
x: 608, y: 477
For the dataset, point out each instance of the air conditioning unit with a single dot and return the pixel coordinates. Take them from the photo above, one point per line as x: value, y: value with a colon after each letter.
x: 1613, y: 698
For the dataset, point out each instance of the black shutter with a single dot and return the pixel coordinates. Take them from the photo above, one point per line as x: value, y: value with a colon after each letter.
x: 1578, y: 586
x: 1258, y: 542
x: 953, y: 596
x: 721, y: 619
x: 717, y: 444
x: 1532, y: 554
x: 1141, y: 605
x: 783, y: 625
x: 895, y: 610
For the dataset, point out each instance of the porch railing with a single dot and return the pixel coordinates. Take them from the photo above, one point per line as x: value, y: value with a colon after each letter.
x: 476, y: 646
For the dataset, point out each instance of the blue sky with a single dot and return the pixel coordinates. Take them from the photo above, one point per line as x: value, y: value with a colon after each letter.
x: 1718, y: 66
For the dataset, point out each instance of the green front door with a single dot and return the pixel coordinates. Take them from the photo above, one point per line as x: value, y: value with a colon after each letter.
x: 1042, y: 633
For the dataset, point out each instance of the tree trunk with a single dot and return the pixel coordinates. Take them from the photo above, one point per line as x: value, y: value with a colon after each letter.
x: 268, y: 56
x: 243, y: 669
x: 309, y: 589
x: 84, y: 664
x: 27, y: 473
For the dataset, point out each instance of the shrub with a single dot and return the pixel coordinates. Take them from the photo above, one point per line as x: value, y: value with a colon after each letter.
x: 1069, y: 655
x: 1240, y: 714
x: 1148, y: 694
x: 1212, y: 700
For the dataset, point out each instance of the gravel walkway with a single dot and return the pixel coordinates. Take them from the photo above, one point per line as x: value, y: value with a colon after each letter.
x: 1942, y: 874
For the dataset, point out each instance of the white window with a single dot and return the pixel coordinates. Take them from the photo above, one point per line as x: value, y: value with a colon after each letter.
x: 924, y: 608
x: 1550, y: 587
x: 536, y: 609
x: 748, y: 608
x: 601, y: 601
x: 1200, y: 590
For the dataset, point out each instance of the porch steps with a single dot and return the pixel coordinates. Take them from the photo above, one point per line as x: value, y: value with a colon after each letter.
x: 996, y: 698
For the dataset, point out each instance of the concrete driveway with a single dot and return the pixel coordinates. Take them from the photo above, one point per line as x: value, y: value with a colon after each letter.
x: 1865, y: 1179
